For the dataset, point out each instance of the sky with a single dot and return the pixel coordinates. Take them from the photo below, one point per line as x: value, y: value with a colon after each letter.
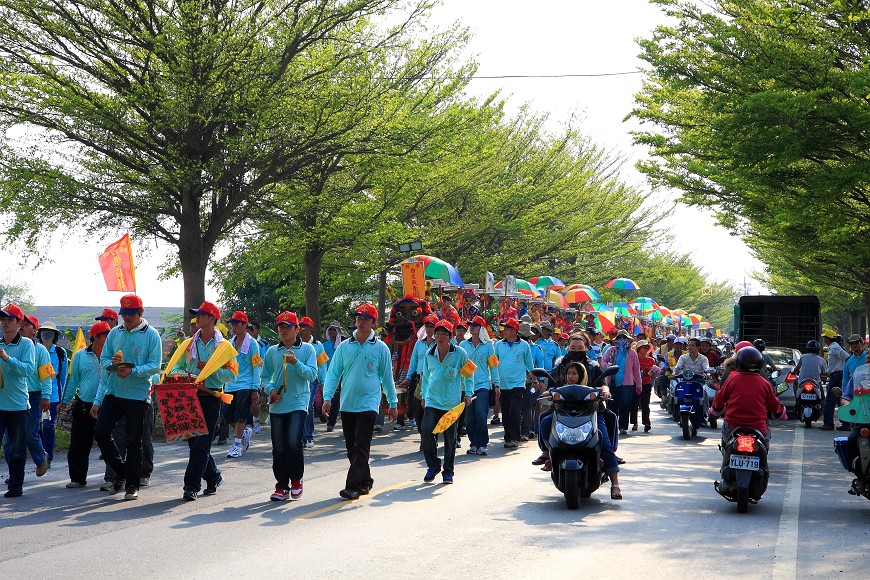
x: 555, y: 37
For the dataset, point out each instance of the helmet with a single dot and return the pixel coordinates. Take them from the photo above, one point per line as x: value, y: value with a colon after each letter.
x: 749, y: 360
x: 740, y: 345
x: 707, y: 339
x: 813, y: 346
x: 759, y: 344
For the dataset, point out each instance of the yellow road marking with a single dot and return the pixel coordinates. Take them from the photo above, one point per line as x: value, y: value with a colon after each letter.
x: 345, y: 503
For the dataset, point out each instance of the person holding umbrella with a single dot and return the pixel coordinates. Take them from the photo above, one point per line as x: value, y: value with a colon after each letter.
x: 446, y: 378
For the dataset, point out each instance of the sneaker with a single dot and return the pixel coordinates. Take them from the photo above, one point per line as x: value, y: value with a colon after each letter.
x: 246, y: 438
x: 431, y: 473
x: 107, y: 486
x: 40, y: 471
x: 412, y: 423
x: 235, y: 451
x: 16, y: 493
x: 399, y: 428
x: 458, y: 444
x: 511, y: 444
x: 117, y: 486
x: 378, y: 428
x: 257, y: 426
x: 330, y: 428
x: 280, y: 494
x: 310, y: 443
x: 211, y: 488
x: 75, y: 485
x: 623, y: 431
x: 447, y: 478
x: 188, y: 495
x: 295, y: 489
x: 471, y: 451
x: 524, y: 438
x: 495, y: 421
x: 132, y: 493
x: 348, y: 493
x: 269, y: 420
x: 481, y: 450
x: 144, y: 481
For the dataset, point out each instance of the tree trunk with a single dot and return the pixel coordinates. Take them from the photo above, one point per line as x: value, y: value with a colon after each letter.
x: 855, y: 319
x: 312, y: 260
x: 194, y: 263
x: 382, y: 296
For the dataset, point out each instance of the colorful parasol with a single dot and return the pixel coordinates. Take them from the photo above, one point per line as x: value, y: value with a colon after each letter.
x: 704, y: 326
x: 544, y: 281
x: 580, y: 295
x: 606, y: 321
x: 439, y: 269
x: 624, y: 309
x: 622, y: 284
x: 556, y: 299
x: 601, y: 307
x: 523, y: 286
x: 644, y: 304
x: 695, y: 318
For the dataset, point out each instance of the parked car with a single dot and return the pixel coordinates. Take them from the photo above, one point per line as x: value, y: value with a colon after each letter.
x: 785, y: 360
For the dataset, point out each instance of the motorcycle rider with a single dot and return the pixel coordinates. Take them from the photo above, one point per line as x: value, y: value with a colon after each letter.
x: 809, y: 366
x: 747, y: 397
x: 769, y: 368
x: 693, y: 360
x: 711, y: 353
x: 730, y: 364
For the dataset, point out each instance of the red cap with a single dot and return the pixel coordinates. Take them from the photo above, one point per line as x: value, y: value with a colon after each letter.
x: 461, y: 323
x: 368, y: 311
x: 478, y: 320
x: 33, y: 320
x: 238, y: 316
x: 444, y: 324
x: 512, y: 322
x: 130, y: 304
x: 431, y: 319
x: 108, y: 314
x: 288, y: 318
x: 14, y: 312
x: 99, y: 328
x: 207, y: 308
x: 306, y: 322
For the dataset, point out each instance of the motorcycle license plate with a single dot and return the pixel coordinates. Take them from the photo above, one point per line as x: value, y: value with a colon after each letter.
x: 808, y: 396
x: 743, y: 462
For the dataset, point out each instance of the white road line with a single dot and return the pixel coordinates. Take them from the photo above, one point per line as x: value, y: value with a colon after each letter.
x: 785, y: 555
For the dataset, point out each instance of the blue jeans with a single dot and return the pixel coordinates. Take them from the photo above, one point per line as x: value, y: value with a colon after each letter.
x: 622, y: 403
x: 831, y: 402
x: 47, y: 433
x: 33, y: 440
x: 476, y: 413
x: 431, y: 416
x: 13, y: 426
x: 288, y: 460
x: 308, y: 427
x: 200, y: 465
x: 607, y: 454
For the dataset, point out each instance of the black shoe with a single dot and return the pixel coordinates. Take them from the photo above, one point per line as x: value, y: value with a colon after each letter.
x: 843, y: 428
x: 495, y: 421
x: 117, y: 487
x: 189, y: 495
x: 365, y: 490
x: 378, y: 428
x: 211, y: 488
x: 222, y: 442
x: 11, y: 493
x: 132, y: 493
x: 348, y: 493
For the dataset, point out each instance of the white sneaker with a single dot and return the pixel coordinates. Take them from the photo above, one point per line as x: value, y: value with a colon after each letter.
x: 234, y: 451
x: 246, y: 439
x: 257, y: 426
x: 309, y: 443
x: 269, y: 420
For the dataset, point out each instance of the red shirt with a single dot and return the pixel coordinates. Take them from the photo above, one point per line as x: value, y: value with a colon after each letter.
x: 747, y: 397
x: 646, y: 363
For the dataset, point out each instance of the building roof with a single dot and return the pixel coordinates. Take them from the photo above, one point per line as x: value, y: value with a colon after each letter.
x: 83, y: 316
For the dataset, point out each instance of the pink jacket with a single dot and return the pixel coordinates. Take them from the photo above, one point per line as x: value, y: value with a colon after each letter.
x: 631, y: 375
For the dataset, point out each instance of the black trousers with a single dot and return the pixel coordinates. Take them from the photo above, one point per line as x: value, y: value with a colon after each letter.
x: 641, y: 401
x: 511, y: 401
x: 120, y: 435
x: 358, y: 429
x: 128, y: 468
x: 81, y: 440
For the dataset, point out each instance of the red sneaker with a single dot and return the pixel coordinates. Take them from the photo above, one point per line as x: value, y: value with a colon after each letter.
x: 295, y: 489
x: 280, y: 494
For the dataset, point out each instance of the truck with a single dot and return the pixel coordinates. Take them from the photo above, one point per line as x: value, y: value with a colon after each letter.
x: 786, y: 321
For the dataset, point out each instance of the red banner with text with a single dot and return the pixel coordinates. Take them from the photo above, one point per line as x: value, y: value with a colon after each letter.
x: 180, y: 410
x: 117, y: 266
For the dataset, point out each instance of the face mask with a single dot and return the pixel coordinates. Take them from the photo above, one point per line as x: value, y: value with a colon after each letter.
x: 46, y: 335
x: 622, y: 343
x: 577, y: 355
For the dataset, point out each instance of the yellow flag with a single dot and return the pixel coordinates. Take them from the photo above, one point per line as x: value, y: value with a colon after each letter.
x: 223, y: 353
x: 46, y: 371
x: 79, y: 344
x: 492, y: 361
x: 322, y: 358
x: 468, y: 369
x: 718, y: 333
x: 256, y: 360
x: 179, y: 352
x: 449, y: 418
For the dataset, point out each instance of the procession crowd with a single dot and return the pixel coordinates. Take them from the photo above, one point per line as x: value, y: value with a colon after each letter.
x: 455, y: 366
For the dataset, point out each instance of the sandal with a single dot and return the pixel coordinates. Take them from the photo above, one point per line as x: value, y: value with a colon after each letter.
x: 620, y: 461
x: 541, y: 460
x: 547, y: 466
x: 615, y: 492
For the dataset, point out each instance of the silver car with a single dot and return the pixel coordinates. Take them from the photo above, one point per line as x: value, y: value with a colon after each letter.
x: 785, y: 360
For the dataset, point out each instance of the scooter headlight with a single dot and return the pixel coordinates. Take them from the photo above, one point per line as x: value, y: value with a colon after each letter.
x: 573, y: 435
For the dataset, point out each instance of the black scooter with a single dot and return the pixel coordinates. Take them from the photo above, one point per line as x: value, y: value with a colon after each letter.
x: 744, y: 468
x: 574, y: 440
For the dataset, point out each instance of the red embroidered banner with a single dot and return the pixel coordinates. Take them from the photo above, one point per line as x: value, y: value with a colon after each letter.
x: 181, y: 412
x: 117, y: 266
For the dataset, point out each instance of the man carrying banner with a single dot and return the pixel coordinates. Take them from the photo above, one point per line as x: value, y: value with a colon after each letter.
x: 290, y: 367
x: 446, y: 377
x: 200, y: 465
x: 17, y: 362
x: 365, y: 368
x: 131, y: 354
x: 306, y: 327
x: 482, y: 353
x: 246, y: 388
x: 84, y: 381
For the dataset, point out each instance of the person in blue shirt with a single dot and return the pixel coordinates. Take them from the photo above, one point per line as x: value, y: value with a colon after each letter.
x: 411, y: 383
x: 306, y: 329
x: 514, y: 362
x: 531, y: 333
x: 17, y: 362
x: 246, y: 387
x: 481, y: 353
x: 48, y: 336
x: 84, y: 381
x: 254, y: 330
x: 365, y: 368
x: 333, y: 339
x: 446, y: 380
x: 551, y: 350
x: 290, y: 367
x: 856, y: 347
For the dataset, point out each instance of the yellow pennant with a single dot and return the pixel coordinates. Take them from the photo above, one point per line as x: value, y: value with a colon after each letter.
x: 492, y: 361
x: 448, y: 418
x: 322, y: 358
x: 468, y: 369
x: 79, y: 345
x: 223, y: 353
x: 179, y: 352
x: 256, y: 360
x: 46, y: 371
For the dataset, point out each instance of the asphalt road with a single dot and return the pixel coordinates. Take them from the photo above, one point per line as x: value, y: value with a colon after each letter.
x: 502, y: 517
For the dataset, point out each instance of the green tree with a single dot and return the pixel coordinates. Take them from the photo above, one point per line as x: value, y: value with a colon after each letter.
x: 16, y: 293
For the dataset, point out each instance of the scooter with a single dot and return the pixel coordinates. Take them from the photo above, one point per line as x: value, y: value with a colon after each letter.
x: 574, y: 440
x: 856, y: 458
x: 808, y: 404
x: 744, y: 468
x: 688, y: 407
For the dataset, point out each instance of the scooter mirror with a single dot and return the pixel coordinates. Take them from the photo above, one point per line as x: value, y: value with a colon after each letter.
x: 608, y: 372
x: 543, y: 374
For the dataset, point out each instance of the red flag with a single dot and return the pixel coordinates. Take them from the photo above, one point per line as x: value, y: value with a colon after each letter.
x: 117, y: 266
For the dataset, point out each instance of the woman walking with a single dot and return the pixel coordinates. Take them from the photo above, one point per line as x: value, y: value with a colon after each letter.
x: 627, y: 381
x: 648, y: 373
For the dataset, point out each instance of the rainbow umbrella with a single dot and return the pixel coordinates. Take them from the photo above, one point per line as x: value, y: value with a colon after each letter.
x: 523, y: 286
x: 601, y: 307
x: 435, y: 268
x: 556, y: 299
x: 679, y: 312
x: 656, y: 315
x: 704, y: 326
x: 544, y: 281
x: 695, y: 318
x: 580, y: 295
x: 624, y: 309
x: 622, y: 284
x: 606, y: 321
x: 644, y: 304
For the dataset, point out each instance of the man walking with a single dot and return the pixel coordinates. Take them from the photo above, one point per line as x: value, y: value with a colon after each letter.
x: 306, y: 327
x: 514, y: 361
x: 364, y: 367
x: 485, y: 378
x: 837, y: 357
x: 246, y: 388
